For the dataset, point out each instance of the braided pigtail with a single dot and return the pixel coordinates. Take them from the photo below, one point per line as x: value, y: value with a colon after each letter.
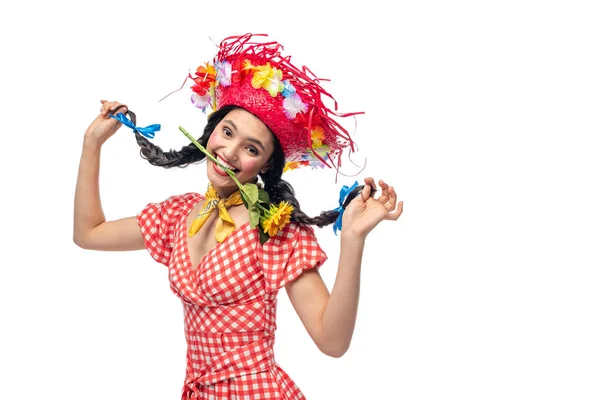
x: 280, y: 190
x: 187, y: 154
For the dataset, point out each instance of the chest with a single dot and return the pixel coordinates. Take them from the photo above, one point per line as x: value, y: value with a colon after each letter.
x: 209, y: 272
x: 199, y: 245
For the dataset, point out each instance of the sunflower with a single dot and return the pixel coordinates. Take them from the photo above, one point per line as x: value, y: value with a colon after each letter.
x: 276, y: 217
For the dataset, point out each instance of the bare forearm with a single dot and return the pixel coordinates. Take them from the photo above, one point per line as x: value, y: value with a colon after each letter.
x: 88, y: 211
x: 339, y: 317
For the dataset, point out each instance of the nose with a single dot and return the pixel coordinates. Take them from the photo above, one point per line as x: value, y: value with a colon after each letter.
x: 230, y: 152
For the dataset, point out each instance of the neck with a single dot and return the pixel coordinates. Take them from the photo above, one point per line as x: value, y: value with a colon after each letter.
x: 225, y: 192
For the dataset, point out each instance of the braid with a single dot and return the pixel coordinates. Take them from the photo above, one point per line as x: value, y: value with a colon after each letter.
x: 280, y: 190
x: 172, y: 158
x: 187, y: 154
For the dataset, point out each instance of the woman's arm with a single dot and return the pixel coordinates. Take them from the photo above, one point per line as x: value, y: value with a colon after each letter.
x: 90, y: 228
x: 330, y: 318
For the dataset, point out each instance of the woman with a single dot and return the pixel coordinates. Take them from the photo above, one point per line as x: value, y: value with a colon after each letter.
x: 226, y: 269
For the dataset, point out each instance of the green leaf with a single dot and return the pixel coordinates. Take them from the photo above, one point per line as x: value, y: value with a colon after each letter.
x: 246, y: 200
x: 251, y: 190
x: 263, y: 196
x: 254, y: 216
x: 263, y: 236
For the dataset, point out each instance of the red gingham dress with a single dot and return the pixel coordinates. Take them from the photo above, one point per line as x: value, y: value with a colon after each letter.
x: 230, y: 300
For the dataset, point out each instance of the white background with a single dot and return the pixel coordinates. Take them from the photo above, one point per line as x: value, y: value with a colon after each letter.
x: 483, y: 115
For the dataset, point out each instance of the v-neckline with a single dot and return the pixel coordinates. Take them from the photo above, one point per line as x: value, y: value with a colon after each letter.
x: 190, y: 266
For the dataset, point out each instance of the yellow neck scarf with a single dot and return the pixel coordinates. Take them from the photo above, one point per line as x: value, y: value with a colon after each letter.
x: 225, y: 224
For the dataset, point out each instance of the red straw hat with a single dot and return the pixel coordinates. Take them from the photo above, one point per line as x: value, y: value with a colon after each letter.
x: 255, y: 76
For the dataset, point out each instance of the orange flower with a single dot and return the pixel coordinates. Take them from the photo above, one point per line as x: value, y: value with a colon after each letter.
x: 207, y: 72
x: 317, y: 135
x: 291, y: 165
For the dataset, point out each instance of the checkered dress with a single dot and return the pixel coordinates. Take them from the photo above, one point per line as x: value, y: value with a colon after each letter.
x: 230, y: 300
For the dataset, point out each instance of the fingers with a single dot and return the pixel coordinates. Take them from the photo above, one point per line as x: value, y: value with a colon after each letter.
x: 385, y: 196
x: 365, y: 193
x: 393, y: 216
x: 119, y: 109
x: 390, y: 204
x: 396, y: 214
x: 112, y: 107
x: 372, y: 188
x: 388, y: 198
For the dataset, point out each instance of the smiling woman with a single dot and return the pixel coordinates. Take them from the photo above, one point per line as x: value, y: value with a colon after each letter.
x: 268, y: 116
x: 246, y: 150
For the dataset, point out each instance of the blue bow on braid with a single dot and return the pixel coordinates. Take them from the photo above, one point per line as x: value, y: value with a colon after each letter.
x: 146, y: 132
x: 337, y: 226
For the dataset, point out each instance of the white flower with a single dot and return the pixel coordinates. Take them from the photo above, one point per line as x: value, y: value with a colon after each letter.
x: 292, y: 105
x: 202, y: 102
x: 223, y: 73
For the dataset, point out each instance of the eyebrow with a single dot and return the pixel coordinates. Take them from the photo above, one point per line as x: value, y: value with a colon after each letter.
x: 250, y: 139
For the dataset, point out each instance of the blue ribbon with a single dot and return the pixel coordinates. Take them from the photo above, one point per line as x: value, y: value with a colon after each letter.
x: 337, y: 226
x: 147, y: 131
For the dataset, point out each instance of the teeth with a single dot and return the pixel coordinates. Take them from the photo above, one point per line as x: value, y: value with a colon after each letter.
x: 225, y: 163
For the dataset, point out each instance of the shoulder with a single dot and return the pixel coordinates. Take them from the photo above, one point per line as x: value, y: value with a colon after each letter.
x: 183, y: 200
x: 293, y: 235
x: 286, y: 255
x: 295, y: 229
x: 178, y: 201
x: 170, y: 208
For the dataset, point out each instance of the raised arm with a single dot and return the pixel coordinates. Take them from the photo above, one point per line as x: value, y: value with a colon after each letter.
x: 330, y: 318
x: 90, y: 228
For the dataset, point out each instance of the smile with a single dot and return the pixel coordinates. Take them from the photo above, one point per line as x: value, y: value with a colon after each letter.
x: 226, y: 164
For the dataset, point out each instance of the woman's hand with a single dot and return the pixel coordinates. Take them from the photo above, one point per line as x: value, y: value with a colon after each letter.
x: 103, y: 127
x: 365, y: 212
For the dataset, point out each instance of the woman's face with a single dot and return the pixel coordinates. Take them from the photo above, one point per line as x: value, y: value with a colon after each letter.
x: 242, y: 142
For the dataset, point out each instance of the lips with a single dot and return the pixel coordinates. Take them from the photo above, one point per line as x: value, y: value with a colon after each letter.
x: 226, y: 164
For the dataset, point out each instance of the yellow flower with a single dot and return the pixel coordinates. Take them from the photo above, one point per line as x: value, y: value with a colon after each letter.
x: 247, y: 66
x: 274, y: 84
x: 261, y: 75
x: 207, y: 69
x: 276, y: 218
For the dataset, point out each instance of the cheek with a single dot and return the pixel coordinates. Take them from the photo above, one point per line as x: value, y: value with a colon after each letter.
x: 251, y: 165
x: 213, y: 141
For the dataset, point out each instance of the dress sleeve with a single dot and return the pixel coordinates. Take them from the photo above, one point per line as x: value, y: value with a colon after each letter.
x: 285, y: 256
x: 157, y: 222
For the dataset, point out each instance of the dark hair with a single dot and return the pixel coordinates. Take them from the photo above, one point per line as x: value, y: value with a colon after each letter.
x: 278, y: 189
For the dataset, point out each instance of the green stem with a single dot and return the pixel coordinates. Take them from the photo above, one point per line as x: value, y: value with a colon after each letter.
x: 202, y: 149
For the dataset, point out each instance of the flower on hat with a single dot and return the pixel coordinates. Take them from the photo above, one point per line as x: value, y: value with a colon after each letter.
x: 288, y: 89
x: 291, y: 165
x: 317, y: 136
x: 205, y: 78
x: 313, y: 160
x: 223, y: 69
x: 267, y: 78
x: 261, y: 75
x: 292, y: 105
x: 202, y: 102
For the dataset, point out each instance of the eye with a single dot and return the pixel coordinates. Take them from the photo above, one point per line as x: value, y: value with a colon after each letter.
x: 227, y: 132
x: 252, y: 150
